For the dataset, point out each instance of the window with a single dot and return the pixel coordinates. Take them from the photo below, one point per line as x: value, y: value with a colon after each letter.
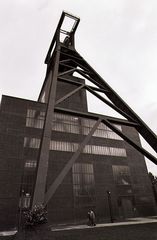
x: 121, y: 175
x: 65, y: 123
x: 30, y: 164
x: 35, y: 118
x: 31, y: 142
x: 83, y: 184
x: 89, y: 149
x: 117, y: 152
x: 72, y: 124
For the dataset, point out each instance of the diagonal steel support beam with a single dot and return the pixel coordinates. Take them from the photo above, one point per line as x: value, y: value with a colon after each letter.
x: 93, y: 80
x: 66, y: 65
x: 132, y: 143
x: 64, y: 79
x: 67, y: 72
x: 110, y: 104
x: 71, y: 56
x: 69, y: 94
x: 65, y: 61
x: 69, y: 165
x: 97, y: 89
x: 83, y: 73
x: 143, y: 129
x: 81, y: 66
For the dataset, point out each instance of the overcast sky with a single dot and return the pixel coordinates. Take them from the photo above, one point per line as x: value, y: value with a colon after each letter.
x: 117, y: 37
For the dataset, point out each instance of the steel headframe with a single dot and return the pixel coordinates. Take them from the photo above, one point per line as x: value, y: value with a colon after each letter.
x: 63, y: 61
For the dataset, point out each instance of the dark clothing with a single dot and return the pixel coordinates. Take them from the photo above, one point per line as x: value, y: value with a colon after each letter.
x: 91, y: 218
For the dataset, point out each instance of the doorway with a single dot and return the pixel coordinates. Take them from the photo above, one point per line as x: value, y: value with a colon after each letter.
x: 127, y: 208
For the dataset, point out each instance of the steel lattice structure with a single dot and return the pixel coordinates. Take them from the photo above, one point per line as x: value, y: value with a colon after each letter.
x: 62, y: 61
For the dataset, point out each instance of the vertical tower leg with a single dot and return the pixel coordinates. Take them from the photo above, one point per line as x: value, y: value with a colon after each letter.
x: 40, y: 185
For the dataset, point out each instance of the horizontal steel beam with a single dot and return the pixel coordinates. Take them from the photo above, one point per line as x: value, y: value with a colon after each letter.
x: 109, y: 121
x: 95, y: 116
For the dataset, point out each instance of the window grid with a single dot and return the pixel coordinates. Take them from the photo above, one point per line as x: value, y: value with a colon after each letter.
x: 71, y: 124
x: 121, y: 174
x: 89, y: 149
x: 30, y: 164
x: 35, y: 118
x: 83, y: 184
x: 31, y: 142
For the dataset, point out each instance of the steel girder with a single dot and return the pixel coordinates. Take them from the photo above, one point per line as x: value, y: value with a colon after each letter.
x: 62, y: 61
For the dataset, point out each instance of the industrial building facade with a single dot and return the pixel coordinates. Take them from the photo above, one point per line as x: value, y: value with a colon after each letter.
x: 105, y: 171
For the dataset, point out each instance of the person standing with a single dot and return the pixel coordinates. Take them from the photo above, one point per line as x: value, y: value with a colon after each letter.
x: 89, y: 218
x: 92, y: 217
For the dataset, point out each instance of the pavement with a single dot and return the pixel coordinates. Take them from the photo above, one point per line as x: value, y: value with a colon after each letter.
x: 129, y: 221
x: 8, y: 233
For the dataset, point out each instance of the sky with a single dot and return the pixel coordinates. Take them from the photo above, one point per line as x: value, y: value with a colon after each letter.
x: 118, y: 38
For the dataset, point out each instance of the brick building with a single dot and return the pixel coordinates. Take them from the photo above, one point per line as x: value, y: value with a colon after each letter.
x: 107, y: 168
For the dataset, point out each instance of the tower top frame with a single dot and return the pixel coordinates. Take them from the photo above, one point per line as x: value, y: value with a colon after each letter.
x: 64, y: 33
